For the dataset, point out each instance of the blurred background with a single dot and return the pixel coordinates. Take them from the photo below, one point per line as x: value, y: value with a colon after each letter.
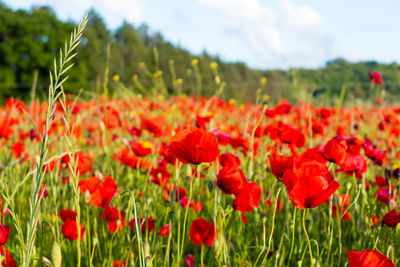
x: 302, y: 47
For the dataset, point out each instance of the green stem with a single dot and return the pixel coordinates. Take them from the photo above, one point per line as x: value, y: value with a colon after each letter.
x: 308, y: 239
x: 294, y: 225
x: 202, y: 255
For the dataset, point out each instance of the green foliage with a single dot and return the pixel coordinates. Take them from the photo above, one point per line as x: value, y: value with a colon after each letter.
x: 29, y: 40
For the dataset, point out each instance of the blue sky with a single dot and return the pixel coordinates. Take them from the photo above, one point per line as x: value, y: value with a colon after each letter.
x: 264, y: 34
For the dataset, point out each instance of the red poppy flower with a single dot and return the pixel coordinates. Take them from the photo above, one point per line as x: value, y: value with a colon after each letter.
x: 340, y: 210
x: 285, y: 133
x: 119, y: 263
x: 240, y: 142
x: 311, y: 154
x: 197, y: 206
x: 380, y: 180
x: 279, y: 164
x: 202, y: 232
x: 231, y: 180
x: 153, y: 125
x: 17, y: 149
x: 180, y: 193
x: 368, y: 258
x: 164, y: 231
x: 391, y: 219
x: 194, y: 145
x: 141, y: 148
x: 335, y: 151
x: 149, y: 224
x: 309, y: 184
x: 8, y: 261
x: 114, y: 217
x: 248, y: 198
x: 375, y: 77
x: 354, y: 144
x: 353, y: 164
x: 69, y: 228
x: 104, y: 192
x: 43, y: 191
x: 4, y: 234
x: 229, y: 160
x: 373, y: 154
x: 283, y: 108
x: 383, y: 195
x: 90, y: 184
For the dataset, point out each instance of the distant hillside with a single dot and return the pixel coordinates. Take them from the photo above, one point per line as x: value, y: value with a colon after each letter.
x: 145, y: 62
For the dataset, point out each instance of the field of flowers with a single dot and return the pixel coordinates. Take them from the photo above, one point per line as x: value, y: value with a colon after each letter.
x: 193, y: 180
x: 197, y: 181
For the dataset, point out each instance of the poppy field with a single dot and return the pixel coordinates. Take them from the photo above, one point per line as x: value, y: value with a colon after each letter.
x: 157, y: 180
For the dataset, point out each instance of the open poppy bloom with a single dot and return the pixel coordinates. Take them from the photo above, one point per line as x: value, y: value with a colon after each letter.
x: 248, y: 198
x: 4, y: 234
x: 309, y: 184
x: 69, y: 228
x: 335, y: 151
x: 202, y: 232
x: 391, y: 219
x: 8, y: 261
x: 103, y: 193
x: 231, y: 180
x: 17, y: 149
x: 353, y: 165
x: 368, y: 258
x: 279, y: 164
x: 194, y: 145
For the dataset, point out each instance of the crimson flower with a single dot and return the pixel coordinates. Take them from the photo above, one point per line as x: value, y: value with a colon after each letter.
x: 375, y: 77
x: 279, y: 164
x: 149, y: 224
x: 164, y: 231
x: 231, y: 180
x: 17, y: 149
x: 391, y: 219
x: 353, y: 164
x: 4, y: 234
x: 69, y: 228
x: 104, y: 193
x: 309, y: 184
x: 8, y: 261
x: 229, y: 160
x: 335, y: 151
x: 248, y: 198
x: 202, y: 232
x: 194, y: 145
x: 368, y: 258
x: 115, y: 218
x: 340, y: 210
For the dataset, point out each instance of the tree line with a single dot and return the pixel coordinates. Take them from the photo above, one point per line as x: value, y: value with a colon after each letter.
x: 140, y: 60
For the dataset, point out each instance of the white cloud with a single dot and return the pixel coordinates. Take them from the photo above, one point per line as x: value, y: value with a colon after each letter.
x: 279, y: 34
